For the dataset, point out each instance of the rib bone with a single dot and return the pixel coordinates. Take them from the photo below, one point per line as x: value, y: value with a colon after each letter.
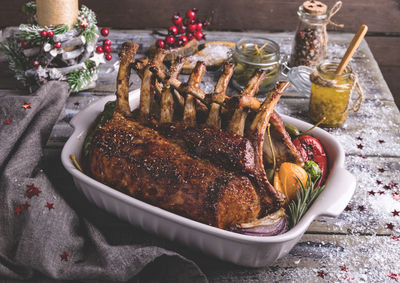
x: 146, y: 88
x: 236, y: 125
x: 167, y: 99
x: 189, y: 112
x: 128, y: 53
x: 214, y: 119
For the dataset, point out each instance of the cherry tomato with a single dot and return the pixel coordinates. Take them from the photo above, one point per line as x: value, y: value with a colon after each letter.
x: 311, y: 149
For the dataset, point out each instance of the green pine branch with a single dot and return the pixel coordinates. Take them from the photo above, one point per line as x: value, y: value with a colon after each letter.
x: 91, y: 30
x: 29, y: 8
x: 79, y: 79
x: 17, y: 61
x: 31, y: 33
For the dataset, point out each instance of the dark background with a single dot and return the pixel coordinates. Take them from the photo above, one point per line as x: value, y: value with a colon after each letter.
x: 382, y: 18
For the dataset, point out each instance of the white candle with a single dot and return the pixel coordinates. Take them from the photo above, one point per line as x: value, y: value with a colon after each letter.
x: 57, y: 12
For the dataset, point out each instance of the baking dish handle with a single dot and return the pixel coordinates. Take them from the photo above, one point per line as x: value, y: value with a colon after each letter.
x: 334, y: 201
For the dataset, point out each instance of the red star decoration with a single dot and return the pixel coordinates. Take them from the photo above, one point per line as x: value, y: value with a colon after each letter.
x: 394, y: 276
x: 321, y: 274
x: 348, y: 208
x: 359, y: 138
x: 379, y: 182
x: 396, y: 212
x: 348, y: 277
x: 381, y: 170
x: 387, y: 187
x: 32, y: 191
x: 381, y: 141
x: 26, y: 106
x: 344, y: 268
x: 396, y: 196
x: 49, y: 205
x: 17, y: 209
x: 371, y: 192
x: 361, y: 208
x: 390, y: 225
x: 396, y: 238
x: 8, y: 121
x: 393, y: 184
x: 381, y: 192
x: 64, y: 256
x: 363, y: 156
x: 25, y: 206
x: 360, y: 146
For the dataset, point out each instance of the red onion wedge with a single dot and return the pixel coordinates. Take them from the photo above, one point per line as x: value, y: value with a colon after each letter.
x: 270, y: 225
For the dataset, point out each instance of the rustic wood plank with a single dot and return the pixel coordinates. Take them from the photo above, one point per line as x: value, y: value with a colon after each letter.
x: 269, y: 15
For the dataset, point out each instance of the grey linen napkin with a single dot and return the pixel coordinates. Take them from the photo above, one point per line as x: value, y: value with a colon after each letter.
x: 42, y: 231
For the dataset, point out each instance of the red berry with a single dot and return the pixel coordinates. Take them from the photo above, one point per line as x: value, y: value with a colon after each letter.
x: 199, y: 26
x: 170, y: 39
x: 181, y: 29
x: 43, y: 33
x: 105, y: 31
x: 108, y: 57
x: 57, y: 45
x: 107, y: 49
x: 192, y: 27
x: 190, y: 36
x: 198, y: 35
x: 50, y: 33
x: 107, y: 42
x: 184, y: 39
x: 173, y: 30
x: 24, y: 44
x: 99, y: 49
x: 35, y: 63
x: 190, y: 14
x: 177, y: 19
x: 160, y: 43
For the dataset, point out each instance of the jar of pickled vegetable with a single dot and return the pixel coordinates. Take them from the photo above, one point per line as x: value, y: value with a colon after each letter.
x: 252, y: 54
x: 330, y: 94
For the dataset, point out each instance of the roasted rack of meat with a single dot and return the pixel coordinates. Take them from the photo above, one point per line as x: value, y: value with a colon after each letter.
x: 199, y: 155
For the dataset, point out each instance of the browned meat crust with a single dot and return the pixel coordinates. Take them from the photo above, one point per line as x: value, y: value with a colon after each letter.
x: 139, y: 161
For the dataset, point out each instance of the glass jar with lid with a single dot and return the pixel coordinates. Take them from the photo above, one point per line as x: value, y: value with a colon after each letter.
x: 252, y: 54
x: 310, y: 41
x: 330, y: 94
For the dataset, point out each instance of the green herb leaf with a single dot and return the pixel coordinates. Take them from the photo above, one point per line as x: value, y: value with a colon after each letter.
x: 305, y: 198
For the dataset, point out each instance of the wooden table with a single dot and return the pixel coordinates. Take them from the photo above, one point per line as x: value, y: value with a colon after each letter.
x: 358, y: 245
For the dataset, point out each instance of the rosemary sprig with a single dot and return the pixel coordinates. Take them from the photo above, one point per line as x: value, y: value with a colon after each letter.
x: 305, y: 198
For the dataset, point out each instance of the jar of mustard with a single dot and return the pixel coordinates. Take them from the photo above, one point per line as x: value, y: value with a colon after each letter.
x: 252, y: 54
x: 330, y: 94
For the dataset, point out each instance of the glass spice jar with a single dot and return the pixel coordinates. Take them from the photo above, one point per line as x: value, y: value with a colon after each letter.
x: 252, y: 54
x: 330, y: 94
x: 310, y: 42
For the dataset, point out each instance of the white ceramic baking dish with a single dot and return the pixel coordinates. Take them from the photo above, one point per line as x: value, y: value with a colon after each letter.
x: 229, y: 246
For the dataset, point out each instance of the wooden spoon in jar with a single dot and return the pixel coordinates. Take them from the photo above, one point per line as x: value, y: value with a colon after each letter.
x: 355, y: 42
